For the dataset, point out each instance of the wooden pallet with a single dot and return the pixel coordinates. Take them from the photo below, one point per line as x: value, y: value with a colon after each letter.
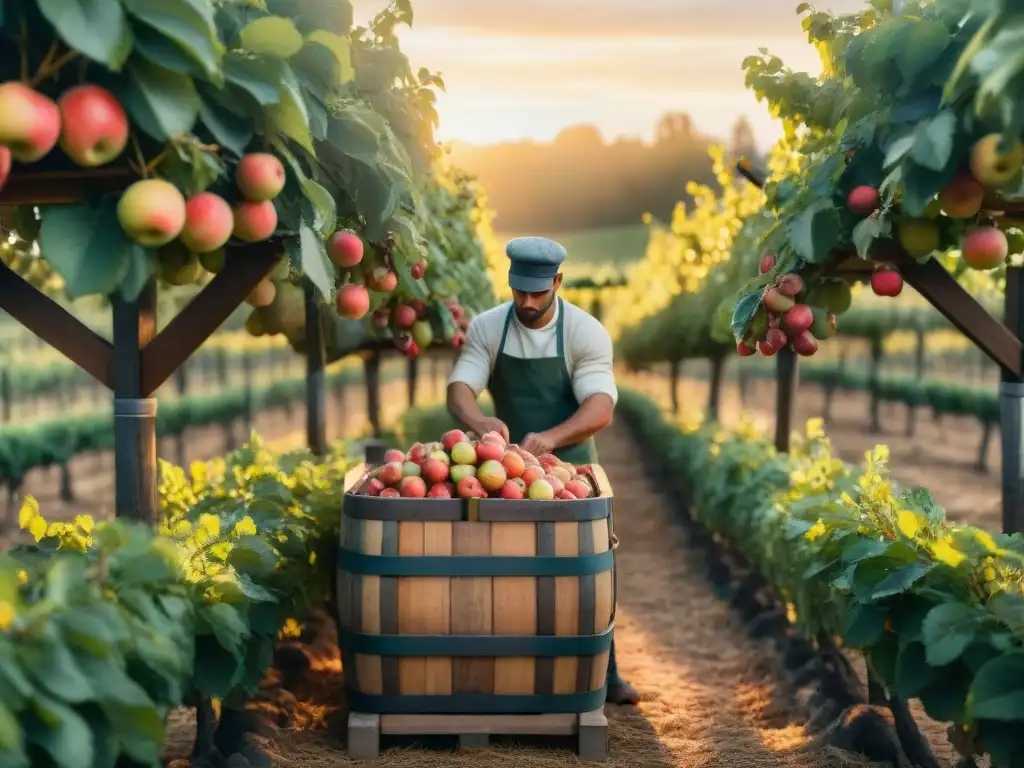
x: 365, y: 730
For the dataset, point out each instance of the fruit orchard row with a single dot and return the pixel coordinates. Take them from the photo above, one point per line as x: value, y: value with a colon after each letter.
x: 245, y: 123
x: 934, y: 606
x: 107, y: 627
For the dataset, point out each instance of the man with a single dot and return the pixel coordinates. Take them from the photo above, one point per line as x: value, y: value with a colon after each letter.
x: 548, y: 367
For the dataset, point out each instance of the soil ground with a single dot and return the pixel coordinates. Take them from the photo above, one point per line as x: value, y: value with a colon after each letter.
x: 709, y: 696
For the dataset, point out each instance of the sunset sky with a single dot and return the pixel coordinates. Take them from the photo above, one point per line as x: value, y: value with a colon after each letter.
x: 528, y: 68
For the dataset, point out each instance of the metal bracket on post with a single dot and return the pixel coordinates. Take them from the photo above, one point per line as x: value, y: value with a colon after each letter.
x: 135, y: 457
x: 374, y: 452
x: 786, y: 379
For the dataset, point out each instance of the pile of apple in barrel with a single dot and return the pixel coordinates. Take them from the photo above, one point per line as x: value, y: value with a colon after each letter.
x: 459, y: 466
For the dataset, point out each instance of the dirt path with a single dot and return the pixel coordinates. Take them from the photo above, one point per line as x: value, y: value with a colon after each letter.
x: 708, y: 692
x: 940, y: 456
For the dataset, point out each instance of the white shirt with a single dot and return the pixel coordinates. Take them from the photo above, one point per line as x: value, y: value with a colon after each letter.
x: 588, y: 349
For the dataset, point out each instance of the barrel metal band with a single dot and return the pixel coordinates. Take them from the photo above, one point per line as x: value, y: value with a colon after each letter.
x: 473, y: 703
x: 475, y: 645
x: 473, y: 565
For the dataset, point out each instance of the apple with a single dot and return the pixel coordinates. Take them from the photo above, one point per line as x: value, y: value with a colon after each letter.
x: 422, y: 333
x: 263, y: 294
x: 767, y: 263
x: 441, y: 456
x: 5, y: 165
x: 541, y: 490
x: 213, y: 261
x: 886, y: 282
x: 464, y: 453
x: 412, y: 487
x: 353, y: 301
x: 435, y: 471
x: 862, y: 200
x: 390, y: 473
x: 345, y: 248
x: 417, y: 453
x: 374, y: 487
x: 94, y: 126
x: 512, y: 490
x: 470, y: 488
x: 919, y: 237
x: 989, y: 166
x: 440, y: 491
x: 29, y: 122
x: 461, y: 471
x: 417, y: 270
x: 383, y: 280
x: 208, y: 223
x: 393, y: 454
x: 962, y: 198
x: 255, y: 221
x: 152, y: 212
x: 984, y: 248
x: 489, y: 452
x: 259, y: 177
x: 390, y: 493
x: 453, y: 437
x: 404, y: 316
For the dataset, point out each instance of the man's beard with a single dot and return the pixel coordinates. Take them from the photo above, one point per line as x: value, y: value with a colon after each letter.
x: 530, y: 317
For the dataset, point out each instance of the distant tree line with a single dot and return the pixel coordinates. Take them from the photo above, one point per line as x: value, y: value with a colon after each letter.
x: 580, y: 182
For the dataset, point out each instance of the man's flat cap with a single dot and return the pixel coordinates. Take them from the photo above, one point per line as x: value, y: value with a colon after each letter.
x: 534, y: 263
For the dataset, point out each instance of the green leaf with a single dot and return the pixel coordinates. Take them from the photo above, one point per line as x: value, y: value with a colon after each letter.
x: 272, y: 36
x: 98, y: 29
x: 62, y: 732
x: 354, y: 132
x: 314, y: 262
x: 998, y: 689
x: 898, y: 150
x: 288, y: 116
x: 933, y: 141
x: 231, y: 130
x: 863, y: 625
x: 813, y: 232
x: 340, y: 47
x: 162, y: 103
x: 181, y: 22
x: 744, y: 312
x: 320, y: 198
x: 866, y: 232
x: 259, y: 76
x: 227, y: 625
x: 947, y: 631
x: 900, y: 581
x: 142, y: 264
x: 86, y: 246
x: 919, y: 48
x: 913, y: 673
x: 12, y: 740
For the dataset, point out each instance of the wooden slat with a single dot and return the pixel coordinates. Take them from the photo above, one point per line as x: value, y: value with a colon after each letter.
x: 63, y: 187
x: 56, y: 326
x: 244, y: 267
x: 555, y: 724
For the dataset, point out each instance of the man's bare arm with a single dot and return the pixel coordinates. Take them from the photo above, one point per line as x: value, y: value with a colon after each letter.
x: 590, y: 418
x: 461, y: 401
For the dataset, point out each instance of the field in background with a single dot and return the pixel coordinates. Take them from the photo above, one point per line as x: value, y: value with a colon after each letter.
x: 593, y: 251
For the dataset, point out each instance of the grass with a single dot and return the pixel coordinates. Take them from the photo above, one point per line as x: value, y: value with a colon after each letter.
x: 594, y: 251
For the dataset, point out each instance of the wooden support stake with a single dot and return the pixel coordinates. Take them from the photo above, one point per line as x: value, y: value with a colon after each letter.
x: 715, y: 391
x: 412, y: 375
x: 135, y: 469
x: 316, y: 392
x: 673, y: 385
x: 1011, y: 405
x: 786, y: 379
x: 371, y: 370
x: 593, y: 735
x: 244, y: 267
x: 55, y: 325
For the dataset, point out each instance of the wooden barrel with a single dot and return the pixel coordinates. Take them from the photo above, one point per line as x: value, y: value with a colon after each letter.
x: 486, y: 606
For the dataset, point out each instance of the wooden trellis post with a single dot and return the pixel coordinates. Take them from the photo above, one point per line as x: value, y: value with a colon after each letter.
x: 316, y: 391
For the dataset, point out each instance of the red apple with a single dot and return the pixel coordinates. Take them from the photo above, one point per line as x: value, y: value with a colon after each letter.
x: 412, y: 487
x: 152, y: 212
x: 259, y: 177
x: 255, y: 221
x: 208, y: 223
x: 512, y: 490
x: 94, y: 126
x: 353, y: 302
x: 345, y: 248
x: 29, y: 122
x: 452, y: 437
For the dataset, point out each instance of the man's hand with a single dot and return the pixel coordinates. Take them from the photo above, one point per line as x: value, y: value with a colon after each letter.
x: 491, y: 424
x: 538, y: 443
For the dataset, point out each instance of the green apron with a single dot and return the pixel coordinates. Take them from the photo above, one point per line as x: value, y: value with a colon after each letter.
x: 536, y: 395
